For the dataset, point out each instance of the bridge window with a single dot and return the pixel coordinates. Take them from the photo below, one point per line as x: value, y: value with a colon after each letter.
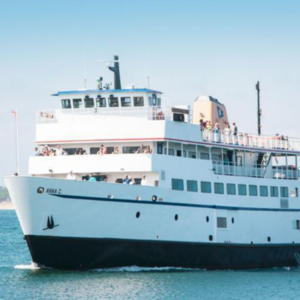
x: 284, y: 191
x: 73, y: 151
x: 231, y: 190
x: 263, y: 191
x: 205, y: 187
x: 177, y: 184
x: 252, y: 190
x: 204, y: 155
x: 100, y: 101
x: 138, y: 101
x: 88, y: 102
x: 125, y: 101
x: 219, y: 188
x: 192, y: 186
x: 77, y: 103
x: 66, y: 103
x: 113, y: 101
x: 221, y: 222
x: 242, y: 189
x: 274, y: 191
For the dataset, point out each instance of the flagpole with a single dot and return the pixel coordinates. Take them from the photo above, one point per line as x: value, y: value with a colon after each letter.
x: 15, y: 112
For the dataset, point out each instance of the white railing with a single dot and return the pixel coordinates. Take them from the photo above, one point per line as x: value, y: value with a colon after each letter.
x: 252, y: 140
x: 257, y: 171
x: 70, y: 115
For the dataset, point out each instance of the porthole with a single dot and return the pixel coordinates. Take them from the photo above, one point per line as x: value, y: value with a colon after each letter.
x: 40, y: 190
x: 138, y: 214
x: 176, y: 217
x: 232, y: 220
x: 110, y: 196
x: 154, y: 198
x: 269, y: 239
x: 210, y: 237
x: 207, y: 219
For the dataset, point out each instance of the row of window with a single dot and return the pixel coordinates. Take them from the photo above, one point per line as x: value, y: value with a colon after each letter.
x: 232, y: 189
x: 111, y: 101
x: 95, y: 150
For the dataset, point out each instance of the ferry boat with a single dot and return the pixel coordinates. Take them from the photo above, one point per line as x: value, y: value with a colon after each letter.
x: 143, y: 184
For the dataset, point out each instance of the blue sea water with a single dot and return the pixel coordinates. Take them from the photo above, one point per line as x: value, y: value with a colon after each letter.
x: 19, y: 279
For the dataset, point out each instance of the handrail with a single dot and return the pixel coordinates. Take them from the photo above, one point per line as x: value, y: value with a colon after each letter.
x: 252, y: 140
x: 254, y: 170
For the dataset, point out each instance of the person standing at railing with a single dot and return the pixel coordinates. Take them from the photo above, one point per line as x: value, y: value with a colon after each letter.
x: 235, y: 133
x: 226, y: 133
x: 202, y: 125
x: 208, y: 128
x: 216, y: 131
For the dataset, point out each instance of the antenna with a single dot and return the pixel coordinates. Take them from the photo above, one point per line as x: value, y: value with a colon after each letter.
x: 258, y: 109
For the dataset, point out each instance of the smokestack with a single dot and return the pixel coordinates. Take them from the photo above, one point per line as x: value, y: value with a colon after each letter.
x: 116, y: 70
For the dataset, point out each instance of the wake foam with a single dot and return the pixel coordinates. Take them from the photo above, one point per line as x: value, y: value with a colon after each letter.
x: 32, y: 266
x: 136, y: 269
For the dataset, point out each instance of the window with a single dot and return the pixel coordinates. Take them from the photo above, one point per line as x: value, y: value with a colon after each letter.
x: 242, y: 189
x: 219, y: 188
x: 296, y: 224
x: 125, y: 101
x: 205, y: 187
x: 177, y: 184
x: 138, y: 101
x: 263, y: 191
x: 274, y: 191
x: 231, y: 190
x: 113, y: 101
x: 204, y: 155
x: 171, y: 152
x: 284, y: 191
x: 66, y: 103
x: 100, y: 101
x: 216, y: 157
x: 159, y: 148
x: 192, y: 154
x: 88, y: 102
x: 130, y: 149
x: 192, y: 186
x: 221, y: 222
x: 252, y: 190
x: 77, y: 103
x: 72, y: 151
x: 294, y: 192
x: 152, y: 101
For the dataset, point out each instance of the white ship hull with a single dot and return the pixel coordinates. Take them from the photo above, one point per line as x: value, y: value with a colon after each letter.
x: 85, y: 225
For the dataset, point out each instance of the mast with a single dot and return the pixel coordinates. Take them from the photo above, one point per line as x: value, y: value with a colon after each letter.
x: 116, y: 70
x: 258, y: 109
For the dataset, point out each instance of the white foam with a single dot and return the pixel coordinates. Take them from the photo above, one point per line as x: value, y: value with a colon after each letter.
x: 134, y: 269
x: 32, y: 266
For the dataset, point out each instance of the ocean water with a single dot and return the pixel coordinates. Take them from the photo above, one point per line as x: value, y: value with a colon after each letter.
x: 19, y: 279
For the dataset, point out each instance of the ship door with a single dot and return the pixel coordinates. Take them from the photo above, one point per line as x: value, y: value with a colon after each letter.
x: 222, y: 223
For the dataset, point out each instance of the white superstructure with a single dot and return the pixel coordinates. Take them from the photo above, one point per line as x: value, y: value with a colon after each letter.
x: 196, y: 198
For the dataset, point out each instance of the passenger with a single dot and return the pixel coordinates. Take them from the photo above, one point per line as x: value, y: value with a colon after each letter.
x: 201, y: 124
x: 132, y: 182
x: 59, y: 150
x: 126, y: 179
x: 226, y: 133
x: 116, y: 150
x: 144, y: 181
x: 37, y: 152
x: 71, y: 176
x: 235, y: 134
x: 148, y: 150
x: 105, y: 179
x: 84, y: 152
x: 216, y: 131
x: 78, y: 152
x: 104, y: 150
x: 92, y: 178
x: 140, y: 149
x: 208, y: 128
x: 100, y: 150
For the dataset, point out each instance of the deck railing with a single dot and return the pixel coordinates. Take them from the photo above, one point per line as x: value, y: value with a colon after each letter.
x: 252, y: 140
x: 256, y: 171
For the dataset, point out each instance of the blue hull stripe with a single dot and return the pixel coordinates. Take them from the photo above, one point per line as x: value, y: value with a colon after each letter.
x: 149, y: 202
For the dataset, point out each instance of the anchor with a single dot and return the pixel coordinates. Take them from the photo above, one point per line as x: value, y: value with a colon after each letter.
x: 50, y: 223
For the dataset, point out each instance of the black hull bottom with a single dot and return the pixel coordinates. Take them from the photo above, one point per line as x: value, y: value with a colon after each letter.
x: 81, y: 253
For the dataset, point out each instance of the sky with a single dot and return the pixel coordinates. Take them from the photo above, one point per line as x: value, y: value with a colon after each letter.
x: 189, y: 48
